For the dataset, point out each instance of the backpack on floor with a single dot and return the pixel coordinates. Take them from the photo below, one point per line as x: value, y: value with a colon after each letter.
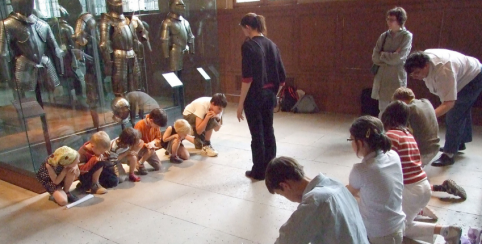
x: 288, y: 98
x: 306, y: 105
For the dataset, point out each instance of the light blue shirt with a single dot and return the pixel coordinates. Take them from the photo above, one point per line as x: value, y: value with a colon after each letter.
x: 328, y: 213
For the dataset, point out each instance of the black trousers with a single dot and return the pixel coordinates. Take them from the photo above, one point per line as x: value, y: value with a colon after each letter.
x: 259, y: 114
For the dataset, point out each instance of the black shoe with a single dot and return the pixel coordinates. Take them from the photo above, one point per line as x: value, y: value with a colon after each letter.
x: 461, y: 147
x: 72, y: 198
x: 175, y: 159
x: 444, y: 160
x: 250, y: 174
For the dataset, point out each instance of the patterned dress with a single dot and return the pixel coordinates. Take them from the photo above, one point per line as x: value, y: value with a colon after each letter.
x: 44, y: 178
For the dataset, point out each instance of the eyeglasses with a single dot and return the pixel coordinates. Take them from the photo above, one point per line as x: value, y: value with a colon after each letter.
x: 350, y: 139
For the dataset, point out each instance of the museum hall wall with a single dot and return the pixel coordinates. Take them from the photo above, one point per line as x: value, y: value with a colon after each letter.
x: 326, y: 46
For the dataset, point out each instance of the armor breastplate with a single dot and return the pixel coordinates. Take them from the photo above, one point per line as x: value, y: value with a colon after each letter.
x: 122, y: 37
x: 66, y: 32
x: 29, y: 36
x: 178, y: 33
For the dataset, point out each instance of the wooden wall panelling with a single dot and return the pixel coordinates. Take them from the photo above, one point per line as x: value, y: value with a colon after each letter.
x: 329, y: 49
x: 317, y: 43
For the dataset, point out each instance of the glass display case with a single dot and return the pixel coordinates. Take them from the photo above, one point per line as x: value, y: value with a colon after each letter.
x: 64, y: 95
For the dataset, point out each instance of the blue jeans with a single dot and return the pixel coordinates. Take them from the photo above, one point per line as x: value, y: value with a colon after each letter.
x: 459, y: 119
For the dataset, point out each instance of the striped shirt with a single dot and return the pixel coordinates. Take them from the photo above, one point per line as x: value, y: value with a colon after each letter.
x: 405, y: 145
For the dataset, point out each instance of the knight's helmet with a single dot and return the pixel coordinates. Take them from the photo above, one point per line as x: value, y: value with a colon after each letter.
x: 83, y: 28
x: 177, y: 7
x: 114, y: 7
x: 120, y: 107
x: 64, y: 14
x: 24, y: 7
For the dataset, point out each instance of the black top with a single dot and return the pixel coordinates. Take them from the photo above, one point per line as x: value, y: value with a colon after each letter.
x: 262, y: 61
x: 164, y: 144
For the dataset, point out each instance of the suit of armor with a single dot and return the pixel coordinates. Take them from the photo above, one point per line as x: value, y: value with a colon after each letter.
x: 176, y: 36
x: 66, y: 43
x: 29, y: 54
x: 85, y: 37
x: 118, y: 44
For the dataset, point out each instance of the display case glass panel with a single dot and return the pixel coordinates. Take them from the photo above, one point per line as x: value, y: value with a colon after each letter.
x: 37, y: 119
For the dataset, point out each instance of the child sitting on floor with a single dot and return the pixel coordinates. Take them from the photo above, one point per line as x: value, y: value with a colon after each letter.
x: 378, y: 181
x: 57, y: 174
x: 172, y: 140
x: 125, y: 149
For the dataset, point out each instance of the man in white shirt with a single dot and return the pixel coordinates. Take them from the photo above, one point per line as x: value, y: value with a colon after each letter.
x: 328, y: 213
x: 457, y: 80
x: 205, y: 116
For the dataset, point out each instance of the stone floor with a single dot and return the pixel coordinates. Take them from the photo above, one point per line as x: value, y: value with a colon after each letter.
x: 208, y: 200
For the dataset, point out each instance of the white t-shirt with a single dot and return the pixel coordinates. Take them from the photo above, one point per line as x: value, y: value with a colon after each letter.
x: 380, y: 181
x: 450, y: 71
x: 199, y: 107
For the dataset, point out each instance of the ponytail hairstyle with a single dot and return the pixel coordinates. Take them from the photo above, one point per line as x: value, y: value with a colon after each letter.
x: 256, y: 22
x: 396, y: 116
x: 369, y: 130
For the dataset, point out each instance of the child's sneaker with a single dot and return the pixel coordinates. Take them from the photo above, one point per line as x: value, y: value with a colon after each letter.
x: 427, y: 212
x: 96, y: 188
x: 71, y: 197
x: 175, y: 159
x: 141, y: 169
x: 209, y: 150
x: 452, y: 235
x: 134, y: 178
x: 452, y: 188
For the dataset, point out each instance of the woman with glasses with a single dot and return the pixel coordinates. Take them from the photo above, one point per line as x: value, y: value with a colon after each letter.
x: 390, y: 53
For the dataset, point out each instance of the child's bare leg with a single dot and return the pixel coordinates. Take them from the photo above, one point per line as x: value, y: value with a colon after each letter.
x: 183, y: 153
x: 132, y: 161
x: 60, y: 197
x: 69, y: 178
x: 175, y: 146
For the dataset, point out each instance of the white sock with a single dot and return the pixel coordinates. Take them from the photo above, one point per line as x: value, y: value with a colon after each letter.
x: 451, y: 155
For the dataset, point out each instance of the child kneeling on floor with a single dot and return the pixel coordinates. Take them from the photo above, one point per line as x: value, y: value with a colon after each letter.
x: 93, y: 158
x: 57, y: 174
x: 172, y: 140
x: 124, y: 149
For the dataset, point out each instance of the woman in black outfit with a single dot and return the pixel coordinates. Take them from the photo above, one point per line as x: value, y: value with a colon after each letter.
x: 263, y: 74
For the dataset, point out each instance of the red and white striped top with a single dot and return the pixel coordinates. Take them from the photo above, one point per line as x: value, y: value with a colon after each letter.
x: 406, y: 147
